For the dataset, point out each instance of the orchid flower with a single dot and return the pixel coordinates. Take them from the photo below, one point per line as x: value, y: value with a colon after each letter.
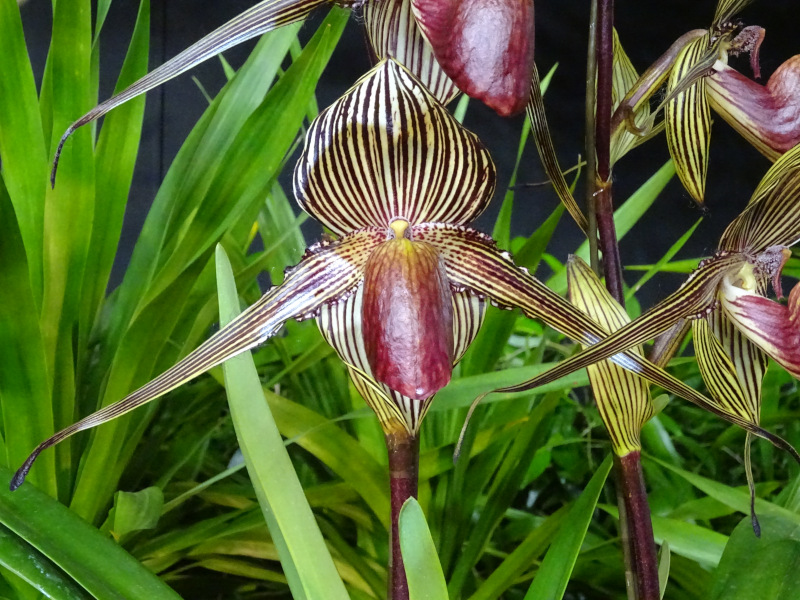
x: 443, y: 42
x: 400, y: 292
x: 735, y: 325
x: 698, y: 79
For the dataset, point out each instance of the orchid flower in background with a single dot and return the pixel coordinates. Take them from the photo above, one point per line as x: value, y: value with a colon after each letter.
x: 698, y: 79
x: 735, y: 325
x: 443, y: 42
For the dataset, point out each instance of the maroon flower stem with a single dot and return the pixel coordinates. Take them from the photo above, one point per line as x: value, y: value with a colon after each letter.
x: 635, y: 525
x: 403, y: 478
x: 630, y: 483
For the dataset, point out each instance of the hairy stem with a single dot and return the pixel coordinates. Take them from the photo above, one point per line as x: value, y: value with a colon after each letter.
x: 635, y: 525
x: 403, y: 451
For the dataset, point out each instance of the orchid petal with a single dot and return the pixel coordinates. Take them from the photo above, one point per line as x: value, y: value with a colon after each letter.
x: 485, y: 46
x: 474, y: 263
x: 720, y: 373
x: 261, y: 18
x: 393, y: 33
x: 727, y: 9
x: 547, y: 153
x: 688, y: 121
x: 623, y: 399
x: 771, y: 326
x: 328, y: 272
x: 767, y: 116
x: 624, y: 78
x: 772, y: 217
x: 341, y: 326
x: 388, y: 149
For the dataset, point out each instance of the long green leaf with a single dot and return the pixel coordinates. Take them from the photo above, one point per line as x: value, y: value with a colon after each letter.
x: 306, y: 561
x: 551, y: 580
x: 424, y: 573
x: 91, y: 558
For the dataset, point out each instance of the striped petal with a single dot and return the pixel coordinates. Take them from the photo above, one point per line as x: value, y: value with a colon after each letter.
x: 624, y: 78
x: 727, y: 9
x: 389, y: 150
x: 261, y: 18
x: 485, y: 46
x: 623, y: 399
x: 767, y: 116
x: 688, y: 121
x: 328, y: 272
x: 772, y: 217
x: 341, y: 325
x: 474, y: 263
x: 393, y: 33
x: 773, y: 327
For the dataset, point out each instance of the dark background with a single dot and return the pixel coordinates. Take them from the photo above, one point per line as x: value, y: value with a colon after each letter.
x: 646, y: 30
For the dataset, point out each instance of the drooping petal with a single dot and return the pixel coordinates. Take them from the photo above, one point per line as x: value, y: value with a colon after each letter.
x: 328, y: 272
x: 393, y: 32
x: 261, y: 18
x: 544, y: 144
x: 341, y: 325
x: 772, y: 217
x: 387, y: 149
x: 474, y: 263
x: 773, y: 327
x: 485, y: 46
x: 407, y: 318
x: 688, y: 121
x: 623, y: 399
x: 767, y: 116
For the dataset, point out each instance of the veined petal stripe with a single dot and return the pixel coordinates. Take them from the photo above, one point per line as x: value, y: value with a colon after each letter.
x: 772, y: 217
x: 688, y: 120
x: 328, y: 272
x: 393, y: 32
x: 387, y: 149
x: 547, y: 153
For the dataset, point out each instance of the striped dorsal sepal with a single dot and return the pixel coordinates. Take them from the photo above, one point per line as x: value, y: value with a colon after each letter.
x: 623, y: 399
x: 329, y: 272
x: 485, y: 46
x: 393, y: 32
x: 388, y: 149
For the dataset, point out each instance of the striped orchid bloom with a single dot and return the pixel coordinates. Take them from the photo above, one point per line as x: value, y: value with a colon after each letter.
x: 736, y: 327
x: 699, y: 79
x: 481, y: 47
x: 400, y: 291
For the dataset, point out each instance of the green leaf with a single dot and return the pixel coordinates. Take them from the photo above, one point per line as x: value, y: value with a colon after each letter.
x: 760, y: 569
x: 625, y: 217
x: 92, y: 559
x: 134, y: 511
x: 663, y: 568
x: 305, y: 558
x: 424, y: 573
x: 551, y: 580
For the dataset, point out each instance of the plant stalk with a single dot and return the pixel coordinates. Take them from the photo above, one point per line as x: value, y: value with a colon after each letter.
x: 636, y: 529
x: 403, y: 451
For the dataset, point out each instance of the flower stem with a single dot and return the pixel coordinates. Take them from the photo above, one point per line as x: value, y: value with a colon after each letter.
x: 403, y: 451
x: 630, y: 485
x: 636, y: 528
